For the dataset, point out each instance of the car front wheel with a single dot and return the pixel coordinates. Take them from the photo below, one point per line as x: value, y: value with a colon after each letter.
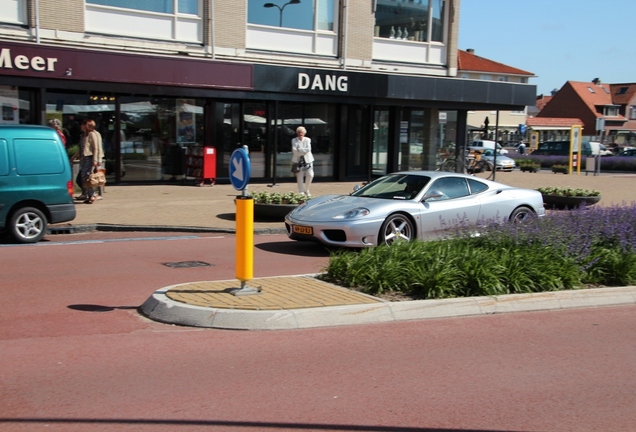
x: 397, y: 227
x: 28, y: 225
x: 521, y: 214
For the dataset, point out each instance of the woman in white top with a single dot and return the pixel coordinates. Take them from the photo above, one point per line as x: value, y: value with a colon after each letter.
x: 301, y: 147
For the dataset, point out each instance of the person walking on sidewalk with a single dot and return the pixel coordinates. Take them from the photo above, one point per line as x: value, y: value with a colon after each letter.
x: 301, y: 154
x: 90, y: 158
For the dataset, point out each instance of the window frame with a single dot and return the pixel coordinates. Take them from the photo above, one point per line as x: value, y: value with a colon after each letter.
x: 145, y: 24
x: 426, y: 51
x: 283, y: 38
x: 14, y: 12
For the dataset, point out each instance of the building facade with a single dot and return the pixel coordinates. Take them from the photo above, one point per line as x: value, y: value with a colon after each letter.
x: 375, y: 83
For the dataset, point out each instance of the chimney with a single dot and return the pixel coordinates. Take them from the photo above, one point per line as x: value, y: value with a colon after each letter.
x: 470, y: 50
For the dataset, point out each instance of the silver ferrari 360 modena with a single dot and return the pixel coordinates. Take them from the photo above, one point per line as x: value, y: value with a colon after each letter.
x: 410, y: 205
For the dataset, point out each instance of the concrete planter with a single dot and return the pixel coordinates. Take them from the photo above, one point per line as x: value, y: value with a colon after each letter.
x: 569, y: 202
x: 273, y: 211
x: 530, y: 168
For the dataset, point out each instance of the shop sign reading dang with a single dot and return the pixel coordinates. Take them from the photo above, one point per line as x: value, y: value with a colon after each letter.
x: 323, y: 82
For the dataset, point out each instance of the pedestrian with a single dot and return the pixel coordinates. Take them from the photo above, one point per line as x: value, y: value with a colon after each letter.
x: 521, y: 148
x: 90, y: 158
x: 57, y: 125
x: 301, y: 154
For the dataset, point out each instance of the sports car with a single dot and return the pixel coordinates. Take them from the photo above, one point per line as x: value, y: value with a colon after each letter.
x: 410, y: 205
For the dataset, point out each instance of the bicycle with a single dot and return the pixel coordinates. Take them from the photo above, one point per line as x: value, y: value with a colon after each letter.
x: 472, y: 164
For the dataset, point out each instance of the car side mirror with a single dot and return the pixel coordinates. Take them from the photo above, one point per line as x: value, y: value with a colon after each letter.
x: 433, y: 194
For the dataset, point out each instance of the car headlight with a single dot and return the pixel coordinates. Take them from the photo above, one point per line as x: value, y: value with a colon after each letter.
x: 360, y: 211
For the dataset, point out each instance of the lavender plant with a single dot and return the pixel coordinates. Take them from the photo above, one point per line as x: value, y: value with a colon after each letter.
x: 564, y: 250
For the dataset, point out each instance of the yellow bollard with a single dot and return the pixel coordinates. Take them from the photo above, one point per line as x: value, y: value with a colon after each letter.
x: 244, y: 238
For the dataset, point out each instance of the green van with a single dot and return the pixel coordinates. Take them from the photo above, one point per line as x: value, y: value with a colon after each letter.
x: 36, y: 186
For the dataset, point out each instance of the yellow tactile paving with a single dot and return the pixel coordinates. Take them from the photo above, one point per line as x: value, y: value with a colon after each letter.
x: 276, y: 294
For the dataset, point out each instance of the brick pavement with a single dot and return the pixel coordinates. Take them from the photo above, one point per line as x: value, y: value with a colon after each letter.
x: 303, y: 301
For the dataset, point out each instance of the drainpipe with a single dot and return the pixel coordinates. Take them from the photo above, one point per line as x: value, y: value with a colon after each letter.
x: 345, y: 4
x: 37, y: 21
x: 211, y: 27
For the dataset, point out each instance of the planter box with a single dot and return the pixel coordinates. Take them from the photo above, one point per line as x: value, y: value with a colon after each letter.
x: 273, y: 211
x: 562, y: 202
x: 560, y: 170
x: 530, y: 168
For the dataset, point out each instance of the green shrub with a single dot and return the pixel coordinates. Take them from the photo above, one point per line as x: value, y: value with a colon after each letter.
x: 566, y: 250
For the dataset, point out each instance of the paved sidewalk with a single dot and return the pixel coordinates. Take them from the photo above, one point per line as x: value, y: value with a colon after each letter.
x: 172, y: 205
x: 288, y: 302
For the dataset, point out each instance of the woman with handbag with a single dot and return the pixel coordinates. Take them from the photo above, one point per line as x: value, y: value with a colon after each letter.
x: 90, y: 158
x: 302, y: 156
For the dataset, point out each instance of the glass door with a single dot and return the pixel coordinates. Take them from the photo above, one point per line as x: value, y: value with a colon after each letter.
x: 379, y: 158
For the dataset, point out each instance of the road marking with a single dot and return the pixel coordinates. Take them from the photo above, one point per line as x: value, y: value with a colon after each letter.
x: 77, y: 242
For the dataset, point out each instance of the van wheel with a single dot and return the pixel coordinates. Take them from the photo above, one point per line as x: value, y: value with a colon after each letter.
x: 28, y: 225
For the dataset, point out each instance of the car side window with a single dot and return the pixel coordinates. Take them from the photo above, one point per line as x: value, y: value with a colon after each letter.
x: 38, y: 156
x: 451, y: 187
x: 4, y: 158
x: 476, y: 186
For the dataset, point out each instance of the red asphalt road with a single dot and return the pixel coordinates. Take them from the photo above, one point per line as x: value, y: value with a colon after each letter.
x: 66, y: 367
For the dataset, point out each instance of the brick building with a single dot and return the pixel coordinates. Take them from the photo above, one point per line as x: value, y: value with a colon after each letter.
x: 375, y: 83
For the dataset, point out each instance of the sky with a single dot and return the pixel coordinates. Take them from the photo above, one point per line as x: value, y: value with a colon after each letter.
x: 556, y: 40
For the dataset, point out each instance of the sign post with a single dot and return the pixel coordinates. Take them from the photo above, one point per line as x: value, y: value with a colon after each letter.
x: 240, y: 171
x: 575, y: 149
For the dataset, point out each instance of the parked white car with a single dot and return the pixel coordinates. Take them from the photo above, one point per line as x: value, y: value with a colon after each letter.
x: 487, y: 144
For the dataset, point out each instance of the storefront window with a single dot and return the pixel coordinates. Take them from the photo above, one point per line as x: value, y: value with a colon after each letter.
x: 16, y: 105
x: 154, y: 135
x: 380, y: 142
x: 319, y: 120
x: 447, y: 136
x: 255, y: 135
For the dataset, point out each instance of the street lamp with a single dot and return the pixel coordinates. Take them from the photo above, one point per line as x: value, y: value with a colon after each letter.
x: 280, y: 9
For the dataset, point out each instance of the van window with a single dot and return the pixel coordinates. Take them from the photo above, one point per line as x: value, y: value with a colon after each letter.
x: 4, y: 158
x: 38, y: 157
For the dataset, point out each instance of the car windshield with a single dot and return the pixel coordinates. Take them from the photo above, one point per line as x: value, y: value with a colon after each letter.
x: 394, y: 186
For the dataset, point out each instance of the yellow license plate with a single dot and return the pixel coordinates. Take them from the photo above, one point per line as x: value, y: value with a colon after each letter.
x: 303, y: 230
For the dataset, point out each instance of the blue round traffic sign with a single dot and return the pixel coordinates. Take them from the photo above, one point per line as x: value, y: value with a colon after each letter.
x: 240, y: 169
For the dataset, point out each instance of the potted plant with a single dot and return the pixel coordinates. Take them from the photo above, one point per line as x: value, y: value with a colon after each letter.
x: 528, y: 165
x: 560, y: 169
x: 276, y: 205
x: 568, y: 198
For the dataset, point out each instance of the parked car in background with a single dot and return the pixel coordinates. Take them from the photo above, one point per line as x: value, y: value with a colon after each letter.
x: 504, y: 163
x: 628, y: 152
x: 36, y: 186
x: 487, y: 144
x: 604, y: 151
x: 410, y: 205
x: 562, y: 148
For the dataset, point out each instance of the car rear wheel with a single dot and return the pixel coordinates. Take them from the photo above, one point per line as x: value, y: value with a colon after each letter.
x: 522, y: 214
x: 28, y: 225
x: 397, y: 227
